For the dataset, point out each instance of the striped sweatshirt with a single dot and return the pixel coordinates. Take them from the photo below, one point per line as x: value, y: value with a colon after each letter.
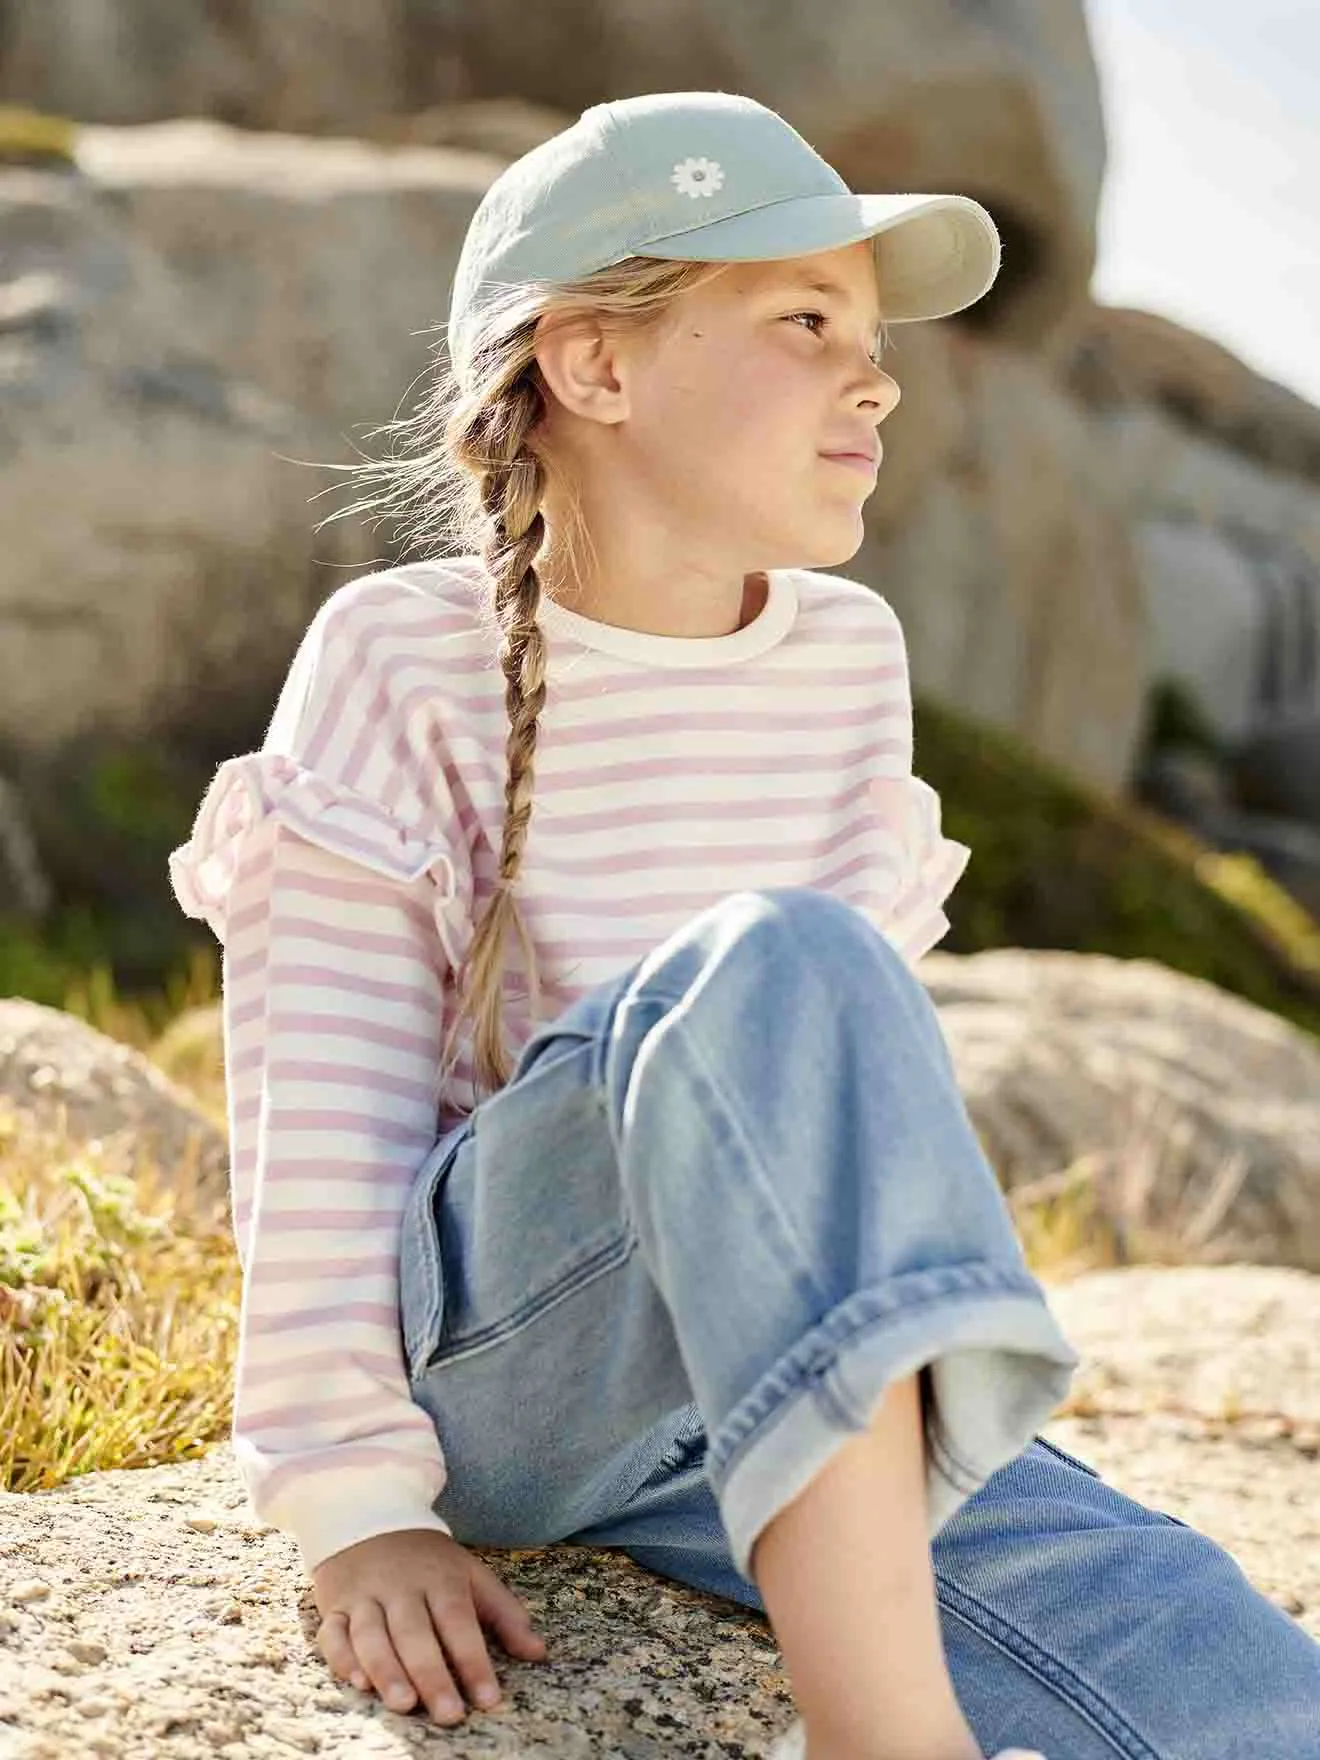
x: 342, y: 867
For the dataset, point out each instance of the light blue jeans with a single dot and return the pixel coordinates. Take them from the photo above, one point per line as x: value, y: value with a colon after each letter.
x: 723, y: 1202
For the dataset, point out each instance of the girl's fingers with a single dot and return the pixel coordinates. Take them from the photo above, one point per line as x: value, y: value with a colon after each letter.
x: 416, y: 1635
x: 465, y: 1646
x: 334, y: 1643
x: 373, y: 1639
x: 431, y: 1646
x: 506, y: 1613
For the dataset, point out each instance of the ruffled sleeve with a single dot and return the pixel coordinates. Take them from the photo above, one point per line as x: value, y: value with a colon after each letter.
x: 255, y: 787
x: 932, y: 866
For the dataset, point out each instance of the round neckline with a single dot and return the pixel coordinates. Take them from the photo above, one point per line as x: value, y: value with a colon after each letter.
x: 769, y: 626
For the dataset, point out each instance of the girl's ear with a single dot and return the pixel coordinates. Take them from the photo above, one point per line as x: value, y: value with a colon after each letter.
x: 581, y: 365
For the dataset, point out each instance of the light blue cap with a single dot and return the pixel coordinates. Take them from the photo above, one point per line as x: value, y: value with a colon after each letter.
x: 710, y: 177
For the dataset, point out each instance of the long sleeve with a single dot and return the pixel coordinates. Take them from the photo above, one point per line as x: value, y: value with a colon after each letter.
x: 931, y: 863
x: 332, y: 1017
x: 336, y: 913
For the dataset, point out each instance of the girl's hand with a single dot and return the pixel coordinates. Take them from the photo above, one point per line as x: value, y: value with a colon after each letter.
x: 403, y: 1613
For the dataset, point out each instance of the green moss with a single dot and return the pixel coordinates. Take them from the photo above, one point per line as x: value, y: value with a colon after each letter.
x: 137, y: 796
x: 129, y: 976
x: 1175, y: 718
x: 104, y: 819
x: 1057, y: 864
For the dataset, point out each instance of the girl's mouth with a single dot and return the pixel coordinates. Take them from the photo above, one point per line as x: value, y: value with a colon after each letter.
x: 858, y: 460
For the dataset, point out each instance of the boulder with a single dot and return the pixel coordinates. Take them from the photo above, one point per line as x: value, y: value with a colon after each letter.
x: 1206, y: 617
x: 1198, y: 1394
x: 25, y: 891
x: 1187, y: 1119
x: 999, y: 533
x: 1227, y: 553
x: 143, y: 1611
x: 1122, y: 356
x: 1001, y: 100
x: 151, y: 549
x: 317, y: 269
x: 296, y: 64
x: 1276, y: 767
x: 79, y: 1084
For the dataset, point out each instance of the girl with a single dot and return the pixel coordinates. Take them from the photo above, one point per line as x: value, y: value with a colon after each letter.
x: 586, y: 1112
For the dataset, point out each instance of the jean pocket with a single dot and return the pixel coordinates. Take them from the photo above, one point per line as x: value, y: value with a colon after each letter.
x: 1071, y: 1459
x: 531, y: 1211
x: 421, y: 1274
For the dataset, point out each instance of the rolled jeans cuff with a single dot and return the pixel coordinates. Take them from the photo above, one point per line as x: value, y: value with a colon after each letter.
x: 999, y: 1365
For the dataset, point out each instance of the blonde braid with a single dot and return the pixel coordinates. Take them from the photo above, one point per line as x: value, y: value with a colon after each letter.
x: 469, y: 480
x: 511, y: 485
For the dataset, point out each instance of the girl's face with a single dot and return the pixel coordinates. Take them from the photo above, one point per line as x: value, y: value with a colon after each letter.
x: 719, y: 424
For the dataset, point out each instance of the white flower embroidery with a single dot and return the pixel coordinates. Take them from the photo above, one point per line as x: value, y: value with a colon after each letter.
x: 697, y: 177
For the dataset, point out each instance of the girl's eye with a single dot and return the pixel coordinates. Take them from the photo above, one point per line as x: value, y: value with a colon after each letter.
x: 821, y: 319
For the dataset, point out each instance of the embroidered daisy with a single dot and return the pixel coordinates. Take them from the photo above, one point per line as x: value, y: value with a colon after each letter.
x: 697, y: 177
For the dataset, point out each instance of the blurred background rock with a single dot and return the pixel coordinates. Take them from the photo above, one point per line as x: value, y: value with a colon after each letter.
x: 226, y: 239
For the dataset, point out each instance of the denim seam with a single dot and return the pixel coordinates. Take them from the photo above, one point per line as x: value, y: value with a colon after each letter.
x: 1057, y: 1675
x: 614, y: 1253
x: 1071, y: 1459
x: 428, y: 1322
x: 814, y: 1354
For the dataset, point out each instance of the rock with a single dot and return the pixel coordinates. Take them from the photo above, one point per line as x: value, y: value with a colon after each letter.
x: 1276, y: 767
x: 1168, y: 471
x: 1188, y: 1118
x: 1025, y: 610
x: 506, y: 127
x: 280, y: 245
x: 1227, y: 553
x: 144, y: 525
x: 999, y: 101
x: 25, y: 891
x: 84, y: 1085
x: 1170, y: 476
x: 1234, y: 615
x: 204, y: 1625
x: 168, y: 1610
x: 1002, y: 100
x: 1119, y: 355
x: 1187, y: 784
x: 284, y: 64
x: 1207, y: 617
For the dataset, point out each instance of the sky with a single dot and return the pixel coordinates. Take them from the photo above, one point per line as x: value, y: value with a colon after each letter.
x: 1210, y: 213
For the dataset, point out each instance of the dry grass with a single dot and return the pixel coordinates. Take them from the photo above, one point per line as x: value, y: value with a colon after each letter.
x: 119, y: 1325
x: 119, y: 1310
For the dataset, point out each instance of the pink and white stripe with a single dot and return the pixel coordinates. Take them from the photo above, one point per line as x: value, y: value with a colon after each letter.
x: 343, y: 866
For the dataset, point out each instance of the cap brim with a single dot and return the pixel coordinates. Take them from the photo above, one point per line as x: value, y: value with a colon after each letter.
x: 935, y: 254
